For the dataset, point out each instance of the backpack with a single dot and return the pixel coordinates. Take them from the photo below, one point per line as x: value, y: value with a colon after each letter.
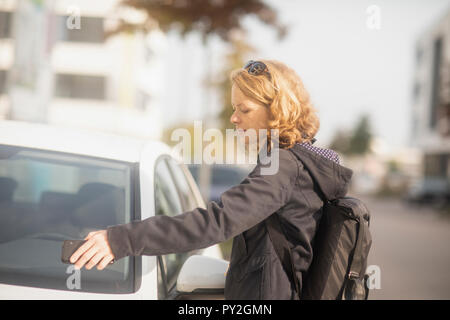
x: 340, y: 250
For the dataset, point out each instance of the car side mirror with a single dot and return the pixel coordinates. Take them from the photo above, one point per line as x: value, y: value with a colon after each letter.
x: 202, y: 275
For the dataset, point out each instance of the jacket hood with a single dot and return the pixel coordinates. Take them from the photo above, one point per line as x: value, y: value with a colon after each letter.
x: 333, y: 179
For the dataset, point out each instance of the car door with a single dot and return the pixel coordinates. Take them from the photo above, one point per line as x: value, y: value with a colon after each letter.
x: 172, y: 197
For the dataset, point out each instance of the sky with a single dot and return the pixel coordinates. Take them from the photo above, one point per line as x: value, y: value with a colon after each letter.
x: 350, y: 63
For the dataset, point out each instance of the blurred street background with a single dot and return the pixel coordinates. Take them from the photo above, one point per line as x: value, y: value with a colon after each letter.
x: 410, y: 247
x: 378, y: 73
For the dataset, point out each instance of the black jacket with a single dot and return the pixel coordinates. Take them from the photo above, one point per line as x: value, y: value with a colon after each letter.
x: 255, y: 271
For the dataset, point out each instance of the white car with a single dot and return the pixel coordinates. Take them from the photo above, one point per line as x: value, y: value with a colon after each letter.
x: 58, y: 184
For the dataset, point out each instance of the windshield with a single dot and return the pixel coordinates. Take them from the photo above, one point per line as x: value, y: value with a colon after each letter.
x: 48, y: 197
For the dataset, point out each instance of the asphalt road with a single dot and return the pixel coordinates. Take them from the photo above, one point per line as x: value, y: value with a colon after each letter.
x: 411, y: 248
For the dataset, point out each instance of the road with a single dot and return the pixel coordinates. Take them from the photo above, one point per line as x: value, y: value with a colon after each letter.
x: 411, y: 248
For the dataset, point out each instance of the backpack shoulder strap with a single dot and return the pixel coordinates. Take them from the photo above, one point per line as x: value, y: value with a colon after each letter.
x: 357, y: 262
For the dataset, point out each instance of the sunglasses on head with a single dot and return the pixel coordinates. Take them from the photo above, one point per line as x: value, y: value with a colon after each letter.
x: 257, y: 68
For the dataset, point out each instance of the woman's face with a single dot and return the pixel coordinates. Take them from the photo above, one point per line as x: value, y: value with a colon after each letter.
x: 248, y: 114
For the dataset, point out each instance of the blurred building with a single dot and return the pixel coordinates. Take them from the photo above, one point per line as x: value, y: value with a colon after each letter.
x: 385, y: 170
x: 431, y: 99
x: 57, y: 66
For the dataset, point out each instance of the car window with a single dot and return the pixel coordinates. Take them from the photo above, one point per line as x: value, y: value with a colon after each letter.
x: 167, y: 202
x: 187, y: 196
x: 195, y: 171
x: 47, y: 197
x: 227, y: 176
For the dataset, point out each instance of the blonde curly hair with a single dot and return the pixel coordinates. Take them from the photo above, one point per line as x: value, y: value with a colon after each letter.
x: 283, y: 92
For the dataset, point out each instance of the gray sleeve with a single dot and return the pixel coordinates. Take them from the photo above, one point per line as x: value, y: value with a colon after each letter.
x: 240, y: 208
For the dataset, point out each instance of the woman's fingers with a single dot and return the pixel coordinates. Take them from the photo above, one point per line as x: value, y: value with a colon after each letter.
x: 81, y: 250
x: 105, y: 262
x: 86, y: 257
x: 95, y: 251
x: 99, y: 255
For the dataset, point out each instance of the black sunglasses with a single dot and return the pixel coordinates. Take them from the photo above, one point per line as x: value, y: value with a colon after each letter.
x: 257, y: 68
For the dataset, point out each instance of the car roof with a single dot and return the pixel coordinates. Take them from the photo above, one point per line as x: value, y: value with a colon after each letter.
x: 77, y: 141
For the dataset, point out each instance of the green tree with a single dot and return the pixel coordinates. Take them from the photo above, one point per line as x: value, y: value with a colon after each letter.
x: 356, y: 141
x: 361, y: 137
x: 341, y: 142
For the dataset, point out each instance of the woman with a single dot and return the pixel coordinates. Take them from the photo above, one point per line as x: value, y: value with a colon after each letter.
x: 265, y: 95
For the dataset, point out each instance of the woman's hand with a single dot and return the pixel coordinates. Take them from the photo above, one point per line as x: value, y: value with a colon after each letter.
x: 94, y: 252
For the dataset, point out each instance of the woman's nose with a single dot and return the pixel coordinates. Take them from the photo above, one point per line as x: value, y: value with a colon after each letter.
x: 234, y: 118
